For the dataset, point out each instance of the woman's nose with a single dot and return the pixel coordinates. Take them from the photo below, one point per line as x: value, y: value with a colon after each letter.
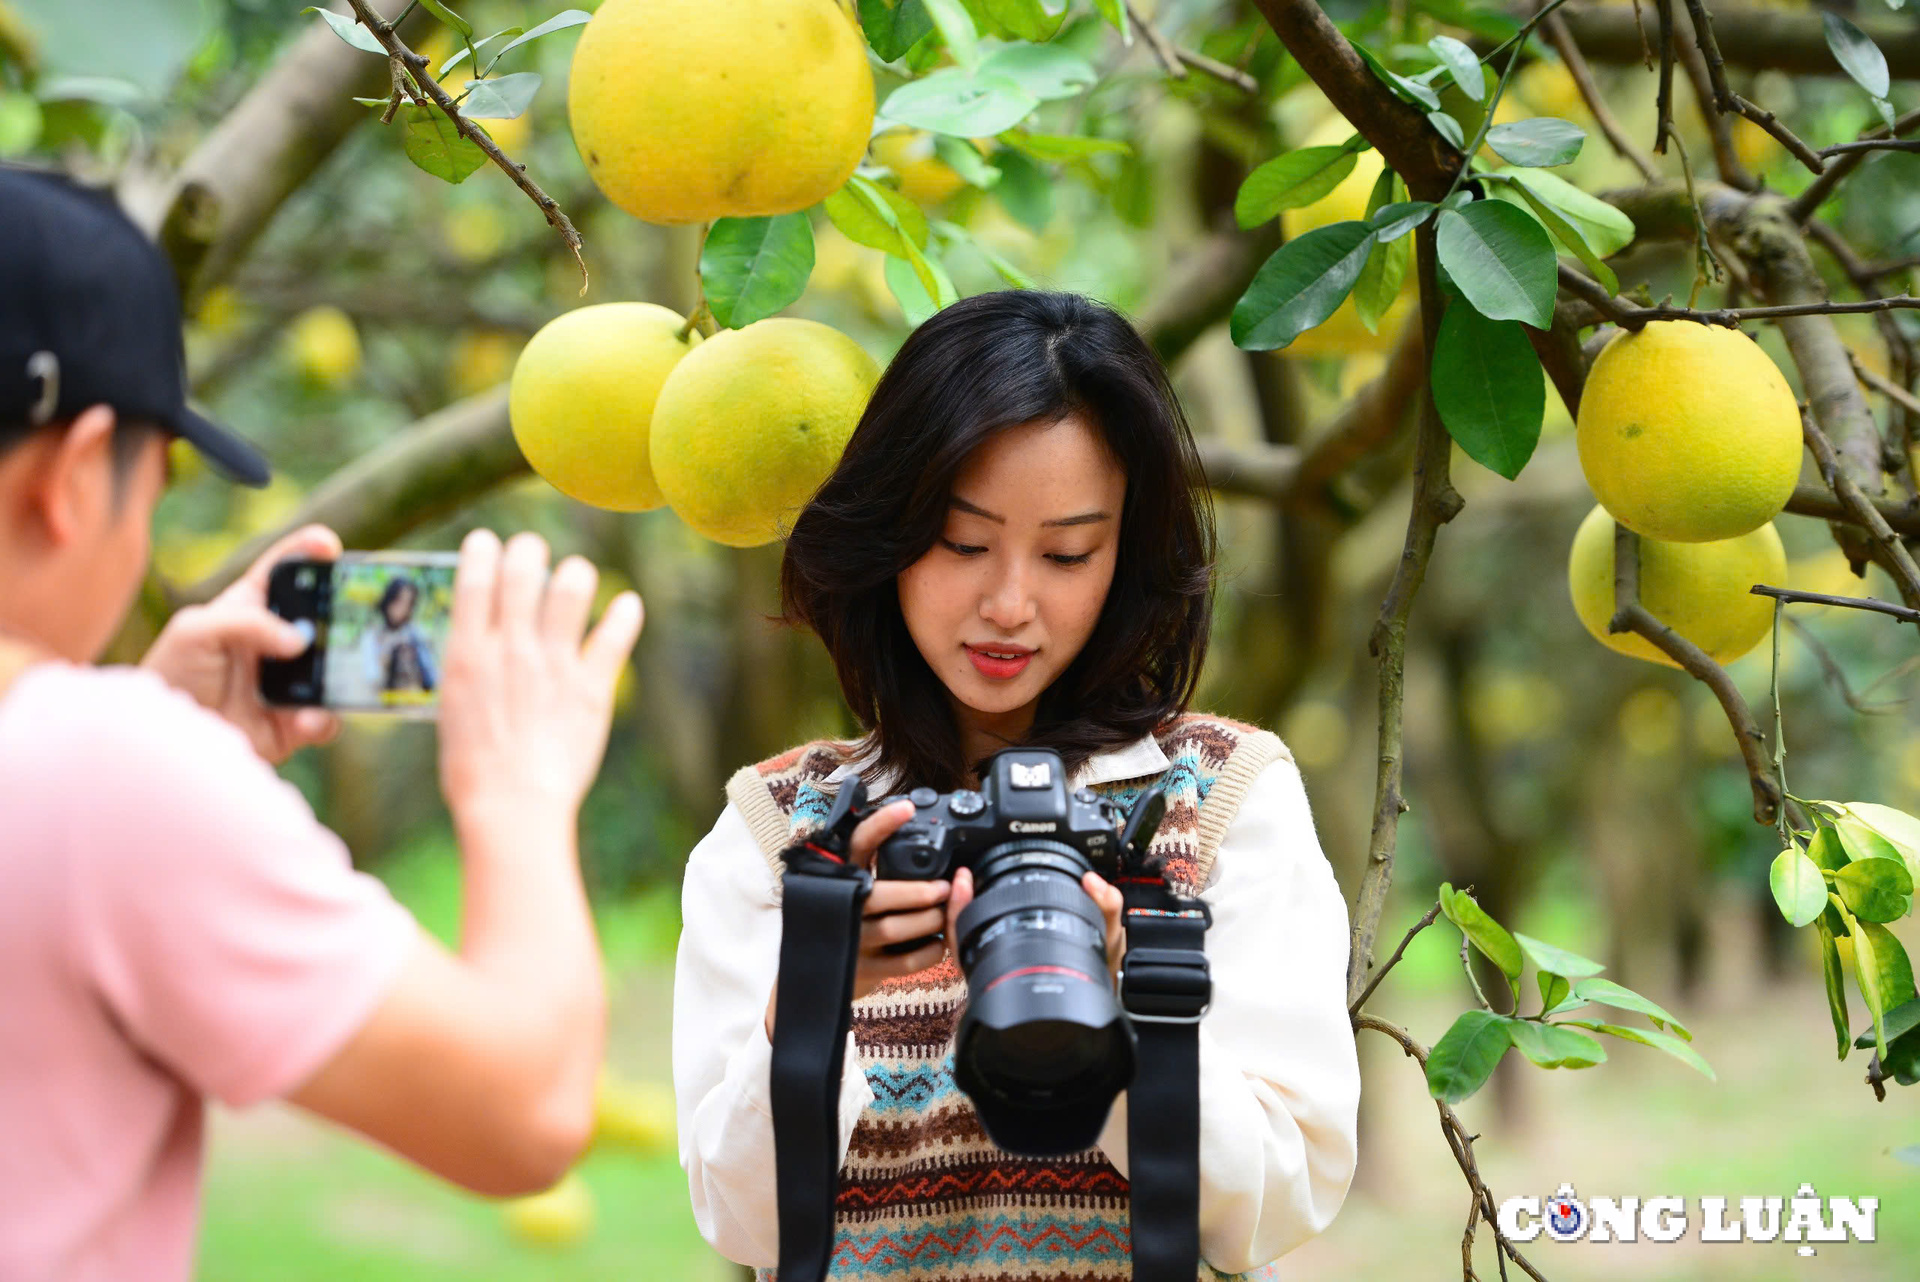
x: 1009, y: 603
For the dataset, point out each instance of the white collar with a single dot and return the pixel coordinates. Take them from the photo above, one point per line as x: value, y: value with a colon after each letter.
x: 1131, y: 761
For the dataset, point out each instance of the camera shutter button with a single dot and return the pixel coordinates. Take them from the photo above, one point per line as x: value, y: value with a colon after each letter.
x: 922, y: 798
x: 1086, y: 796
x: 966, y: 803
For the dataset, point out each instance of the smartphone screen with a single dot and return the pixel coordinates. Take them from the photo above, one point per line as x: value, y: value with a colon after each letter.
x: 379, y: 623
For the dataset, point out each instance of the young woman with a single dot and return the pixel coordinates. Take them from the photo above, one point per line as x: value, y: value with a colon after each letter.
x: 394, y: 650
x: 1017, y: 548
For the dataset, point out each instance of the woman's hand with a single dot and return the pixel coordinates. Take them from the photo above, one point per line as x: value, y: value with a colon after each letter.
x: 1112, y: 904
x: 213, y: 651
x: 897, y: 912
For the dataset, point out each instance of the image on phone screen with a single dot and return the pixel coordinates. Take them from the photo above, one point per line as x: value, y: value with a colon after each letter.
x: 388, y: 632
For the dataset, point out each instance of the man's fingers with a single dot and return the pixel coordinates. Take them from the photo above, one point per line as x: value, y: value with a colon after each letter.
x: 474, y: 583
x: 309, y: 542
x: 876, y: 828
x: 611, y: 641
x: 568, y: 602
x: 523, y: 577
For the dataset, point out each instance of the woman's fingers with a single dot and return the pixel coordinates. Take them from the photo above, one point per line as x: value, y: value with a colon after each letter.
x: 891, y: 896
x: 897, y: 928
x: 876, y: 828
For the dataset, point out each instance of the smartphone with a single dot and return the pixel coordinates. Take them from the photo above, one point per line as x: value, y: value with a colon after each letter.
x: 378, y: 623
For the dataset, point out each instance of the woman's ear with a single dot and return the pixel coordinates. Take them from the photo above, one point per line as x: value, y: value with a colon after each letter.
x: 73, y: 488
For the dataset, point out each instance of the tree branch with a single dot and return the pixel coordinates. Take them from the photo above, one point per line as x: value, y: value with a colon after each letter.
x: 1631, y: 616
x: 1726, y: 102
x: 1753, y: 37
x: 1563, y: 43
x: 423, y: 473
x: 1802, y: 207
x: 1380, y: 972
x: 1176, y: 60
x: 1901, y: 612
x: 208, y: 213
x: 1893, y: 555
x: 416, y: 66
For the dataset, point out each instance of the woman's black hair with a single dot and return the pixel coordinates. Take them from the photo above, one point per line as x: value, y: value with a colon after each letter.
x: 395, y: 586
x: 986, y: 364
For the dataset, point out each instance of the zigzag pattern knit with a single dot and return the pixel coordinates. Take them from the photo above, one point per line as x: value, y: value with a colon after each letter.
x: 925, y: 1196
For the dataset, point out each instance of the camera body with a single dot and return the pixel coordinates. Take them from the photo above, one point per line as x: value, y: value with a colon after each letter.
x: 1044, y: 1046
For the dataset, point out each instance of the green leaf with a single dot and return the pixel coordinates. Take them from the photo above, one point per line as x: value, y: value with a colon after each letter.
x: 1387, y: 262
x: 1875, y: 890
x: 1048, y: 72
x: 1024, y: 191
x: 1605, y: 229
x: 1557, y: 960
x: 1896, y: 827
x: 1885, y: 974
x: 1291, y: 181
x: 558, y: 22
x: 877, y: 217
x: 1836, y: 980
x: 904, y: 278
x: 1411, y: 90
x: 954, y: 234
x: 1856, y: 53
x: 1554, y: 989
x: 1391, y: 222
x: 1449, y: 128
x: 1115, y: 12
x: 1554, y: 1045
x: 1482, y: 931
x: 1488, y: 391
x: 1027, y: 19
x: 955, y: 25
x: 473, y: 51
x: 953, y: 101
x: 1900, y: 1020
x: 1501, y: 260
x: 501, y: 98
x: 894, y: 26
x: 1462, y: 63
x: 1659, y: 1041
x: 1826, y: 849
x: 1565, y: 235
x: 1607, y: 993
x: 751, y: 268
x: 1301, y: 285
x: 1539, y: 142
x: 449, y: 17
x: 349, y: 30
x: 1052, y: 148
x: 965, y: 159
x: 1798, y: 887
x: 1466, y: 1054
x: 434, y: 143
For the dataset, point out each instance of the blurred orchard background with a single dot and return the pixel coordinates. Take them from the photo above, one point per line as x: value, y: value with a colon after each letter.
x: 1589, y: 798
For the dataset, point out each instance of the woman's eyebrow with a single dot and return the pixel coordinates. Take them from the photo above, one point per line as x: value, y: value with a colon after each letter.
x: 1085, y: 518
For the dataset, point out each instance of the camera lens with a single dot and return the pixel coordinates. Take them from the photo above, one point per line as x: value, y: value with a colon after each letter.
x: 304, y: 580
x: 1043, y: 1047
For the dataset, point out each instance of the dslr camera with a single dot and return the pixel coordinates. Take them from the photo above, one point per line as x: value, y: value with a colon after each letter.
x: 1044, y: 1045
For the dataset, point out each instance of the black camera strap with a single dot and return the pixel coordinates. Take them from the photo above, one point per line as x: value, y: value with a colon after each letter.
x: 1165, y: 987
x: 823, y: 897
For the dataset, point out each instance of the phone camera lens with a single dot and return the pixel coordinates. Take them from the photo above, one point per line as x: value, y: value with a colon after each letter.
x: 304, y: 580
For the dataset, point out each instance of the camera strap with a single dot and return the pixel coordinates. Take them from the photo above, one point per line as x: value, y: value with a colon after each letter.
x: 1165, y: 988
x: 823, y: 897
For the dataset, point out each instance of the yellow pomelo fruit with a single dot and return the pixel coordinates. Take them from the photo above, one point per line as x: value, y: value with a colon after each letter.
x: 1548, y: 89
x: 690, y: 110
x: 481, y: 358
x: 559, y: 1217
x: 925, y: 179
x: 633, y: 1115
x: 750, y: 424
x: 1700, y: 590
x: 325, y: 344
x: 1688, y: 432
x: 582, y: 400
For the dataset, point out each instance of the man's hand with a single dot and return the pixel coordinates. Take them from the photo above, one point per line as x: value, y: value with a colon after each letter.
x: 213, y: 652
x: 524, y: 703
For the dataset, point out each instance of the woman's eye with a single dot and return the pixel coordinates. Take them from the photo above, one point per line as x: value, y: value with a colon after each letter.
x: 962, y: 549
x: 1061, y: 558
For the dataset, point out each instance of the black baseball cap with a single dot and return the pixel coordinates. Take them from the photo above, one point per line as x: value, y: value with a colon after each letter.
x: 90, y: 315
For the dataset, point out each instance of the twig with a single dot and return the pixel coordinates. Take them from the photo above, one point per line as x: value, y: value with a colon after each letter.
x: 1435, y: 502
x: 417, y: 66
x: 1836, y: 676
x: 1176, y: 60
x: 1725, y: 100
x: 1663, y: 100
x: 1630, y: 316
x: 1380, y: 972
x: 1894, y: 556
x: 1499, y: 90
x: 1708, y: 97
x: 1885, y: 386
x: 1803, y: 206
x: 1818, y: 501
x: 1779, y: 728
x: 1576, y: 64
x: 1461, y: 1144
x: 1466, y: 964
x: 1905, y: 614
x: 1629, y: 615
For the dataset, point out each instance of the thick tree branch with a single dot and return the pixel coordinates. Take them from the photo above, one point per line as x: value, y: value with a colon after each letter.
x: 1753, y: 37
x: 1631, y: 616
x: 207, y: 215
x: 1903, y: 515
x: 425, y: 472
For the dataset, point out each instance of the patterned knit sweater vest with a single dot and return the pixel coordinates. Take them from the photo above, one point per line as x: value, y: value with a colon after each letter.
x: 925, y: 1196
